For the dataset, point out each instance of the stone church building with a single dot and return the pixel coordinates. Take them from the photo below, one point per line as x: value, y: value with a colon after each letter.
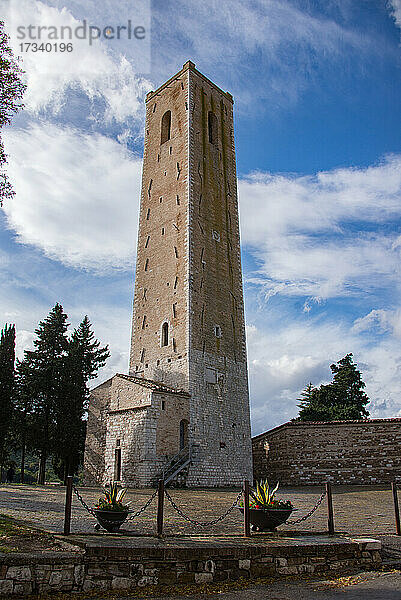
x: 182, y: 412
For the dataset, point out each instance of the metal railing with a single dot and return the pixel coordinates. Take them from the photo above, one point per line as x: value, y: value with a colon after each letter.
x: 177, y: 464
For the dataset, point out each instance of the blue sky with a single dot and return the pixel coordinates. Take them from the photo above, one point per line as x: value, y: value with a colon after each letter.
x: 317, y: 91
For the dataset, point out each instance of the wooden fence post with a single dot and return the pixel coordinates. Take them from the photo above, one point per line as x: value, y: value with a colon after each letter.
x: 396, y: 508
x: 247, y: 524
x: 330, y: 512
x: 68, y: 505
x: 160, y: 507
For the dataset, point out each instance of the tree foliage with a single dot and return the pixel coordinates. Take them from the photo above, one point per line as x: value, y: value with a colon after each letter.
x: 7, y: 385
x: 11, y: 92
x: 53, y: 391
x: 342, y: 399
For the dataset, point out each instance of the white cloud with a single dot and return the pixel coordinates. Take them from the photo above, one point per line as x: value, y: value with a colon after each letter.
x: 320, y: 236
x: 395, y: 10
x: 77, y: 196
x: 283, y: 361
x: 278, y: 45
x: 93, y: 70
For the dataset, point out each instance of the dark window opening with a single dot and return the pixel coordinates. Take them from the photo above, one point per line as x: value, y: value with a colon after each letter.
x: 162, y: 230
x: 146, y: 264
x: 148, y: 214
x: 166, y: 127
x: 147, y: 241
x: 212, y: 127
x: 118, y: 443
x: 163, y: 405
x: 117, y: 464
x: 183, y: 433
x: 165, y: 334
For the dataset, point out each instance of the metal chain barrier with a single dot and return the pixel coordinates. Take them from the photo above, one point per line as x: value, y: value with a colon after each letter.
x: 203, y: 523
x: 130, y: 518
x: 143, y: 508
x: 310, y: 513
x: 82, y: 501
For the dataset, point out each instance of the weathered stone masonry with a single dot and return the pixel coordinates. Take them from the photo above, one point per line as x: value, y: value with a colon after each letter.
x: 343, y: 452
x: 188, y: 329
x: 105, y: 568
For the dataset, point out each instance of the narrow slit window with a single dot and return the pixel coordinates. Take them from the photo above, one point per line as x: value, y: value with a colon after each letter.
x: 146, y: 264
x: 174, y: 310
x: 163, y: 405
x: 175, y: 283
x: 142, y: 359
x: 163, y: 230
x: 176, y: 251
x: 144, y: 322
x: 212, y: 127
x: 165, y: 334
x: 177, y: 199
x: 117, y: 464
x: 148, y: 214
x: 154, y: 107
x: 166, y: 127
x: 147, y: 241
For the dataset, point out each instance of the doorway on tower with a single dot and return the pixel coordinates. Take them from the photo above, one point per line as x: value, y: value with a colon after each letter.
x: 183, y: 433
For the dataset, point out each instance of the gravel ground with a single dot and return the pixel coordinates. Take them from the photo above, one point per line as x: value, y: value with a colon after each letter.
x: 358, y: 510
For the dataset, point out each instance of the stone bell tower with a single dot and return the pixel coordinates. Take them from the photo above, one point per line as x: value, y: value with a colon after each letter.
x: 188, y: 348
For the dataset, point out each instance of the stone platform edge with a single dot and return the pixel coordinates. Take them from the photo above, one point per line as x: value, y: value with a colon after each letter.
x: 110, y: 567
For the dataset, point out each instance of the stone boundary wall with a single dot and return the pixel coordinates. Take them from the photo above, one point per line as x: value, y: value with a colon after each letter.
x: 343, y: 452
x: 128, y: 568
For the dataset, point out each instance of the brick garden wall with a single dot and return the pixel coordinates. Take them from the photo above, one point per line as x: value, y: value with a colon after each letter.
x: 343, y: 452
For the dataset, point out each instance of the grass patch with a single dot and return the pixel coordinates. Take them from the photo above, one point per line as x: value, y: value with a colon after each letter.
x: 19, y: 536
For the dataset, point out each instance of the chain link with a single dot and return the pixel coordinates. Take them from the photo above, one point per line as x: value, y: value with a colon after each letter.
x: 82, y: 501
x: 203, y: 523
x: 310, y: 513
x: 144, y: 507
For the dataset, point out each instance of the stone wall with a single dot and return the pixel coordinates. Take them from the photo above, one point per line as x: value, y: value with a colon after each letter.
x: 105, y: 568
x: 343, y: 452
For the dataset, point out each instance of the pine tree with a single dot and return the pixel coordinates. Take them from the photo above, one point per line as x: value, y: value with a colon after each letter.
x: 342, y: 399
x: 7, y: 386
x: 84, y: 358
x: 43, y: 370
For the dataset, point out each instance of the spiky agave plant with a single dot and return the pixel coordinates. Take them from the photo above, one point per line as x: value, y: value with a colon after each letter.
x: 261, y: 497
x: 113, y: 499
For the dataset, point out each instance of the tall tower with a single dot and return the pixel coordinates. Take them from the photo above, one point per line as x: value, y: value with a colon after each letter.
x: 188, y: 330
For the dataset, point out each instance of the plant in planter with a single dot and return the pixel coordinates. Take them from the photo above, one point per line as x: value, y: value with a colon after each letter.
x: 265, y: 512
x: 110, y: 510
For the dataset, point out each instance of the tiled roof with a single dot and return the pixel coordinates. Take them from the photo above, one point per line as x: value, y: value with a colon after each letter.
x: 157, y: 386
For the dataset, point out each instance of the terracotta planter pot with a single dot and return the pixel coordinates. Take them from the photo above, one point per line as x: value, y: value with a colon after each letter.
x: 268, y: 519
x: 111, y: 520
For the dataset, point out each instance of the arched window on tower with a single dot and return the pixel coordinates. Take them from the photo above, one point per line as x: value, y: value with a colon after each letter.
x: 165, y: 334
x: 212, y: 127
x: 166, y: 127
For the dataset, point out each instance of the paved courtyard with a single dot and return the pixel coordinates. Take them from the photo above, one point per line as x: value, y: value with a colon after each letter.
x: 358, y: 510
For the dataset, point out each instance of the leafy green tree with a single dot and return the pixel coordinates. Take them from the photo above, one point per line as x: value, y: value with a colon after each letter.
x: 11, y: 92
x: 7, y: 387
x: 342, y: 399
x: 84, y: 358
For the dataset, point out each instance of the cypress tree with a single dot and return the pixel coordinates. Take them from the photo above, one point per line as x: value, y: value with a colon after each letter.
x: 7, y: 387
